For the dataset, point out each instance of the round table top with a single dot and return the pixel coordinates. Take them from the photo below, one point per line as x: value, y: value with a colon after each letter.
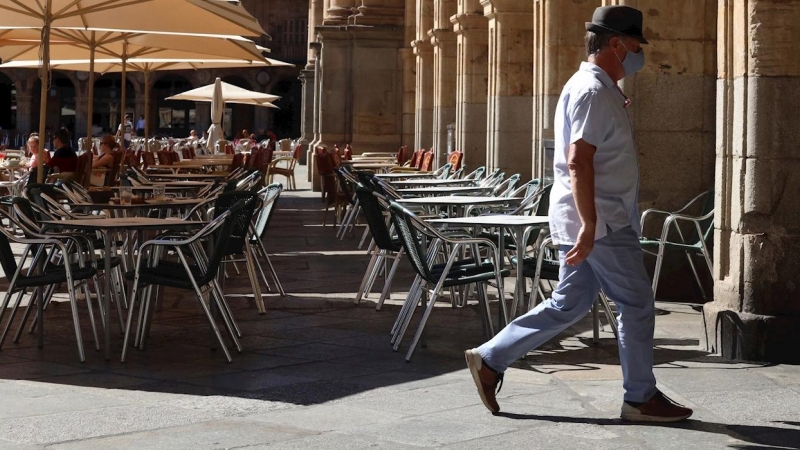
x: 132, y: 223
x: 498, y: 220
x: 460, y: 200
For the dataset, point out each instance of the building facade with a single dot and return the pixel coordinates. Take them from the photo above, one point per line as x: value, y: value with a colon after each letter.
x: 714, y: 108
x: 285, y: 21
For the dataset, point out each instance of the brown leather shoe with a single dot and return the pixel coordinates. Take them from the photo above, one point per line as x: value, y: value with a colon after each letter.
x: 660, y: 408
x: 486, y: 379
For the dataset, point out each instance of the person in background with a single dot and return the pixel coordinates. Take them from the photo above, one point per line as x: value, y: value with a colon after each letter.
x: 64, y: 158
x: 128, y: 133
x: 33, y: 150
x: 104, y: 160
x: 193, y: 135
x: 140, y: 124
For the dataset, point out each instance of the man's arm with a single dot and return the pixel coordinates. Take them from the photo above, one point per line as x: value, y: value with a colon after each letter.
x: 581, y: 173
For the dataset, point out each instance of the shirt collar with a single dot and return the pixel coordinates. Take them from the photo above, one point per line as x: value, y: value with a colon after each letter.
x: 601, y: 74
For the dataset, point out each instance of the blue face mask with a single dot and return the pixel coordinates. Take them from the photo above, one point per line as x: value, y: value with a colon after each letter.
x: 633, y: 63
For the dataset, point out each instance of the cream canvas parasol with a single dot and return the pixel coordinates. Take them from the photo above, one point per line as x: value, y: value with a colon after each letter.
x: 178, y: 16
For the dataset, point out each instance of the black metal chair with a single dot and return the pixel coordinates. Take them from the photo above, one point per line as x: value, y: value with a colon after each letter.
x: 51, y: 266
x: 194, y: 271
x: 450, y: 274
x: 269, y: 199
x: 385, y: 245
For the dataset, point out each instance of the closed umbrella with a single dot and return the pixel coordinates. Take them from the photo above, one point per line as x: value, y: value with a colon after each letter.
x: 217, y: 107
x: 180, y: 16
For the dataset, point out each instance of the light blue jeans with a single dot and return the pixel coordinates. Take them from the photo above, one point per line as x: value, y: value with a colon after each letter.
x: 615, y: 265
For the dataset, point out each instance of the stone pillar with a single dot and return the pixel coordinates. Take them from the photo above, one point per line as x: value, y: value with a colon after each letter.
x: 443, y: 40
x: 755, y: 314
x: 24, y: 112
x: 423, y: 132
x: 510, y: 100
x: 337, y: 12
x: 558, y: 50
x: 472, y: 31
x: 409, y: 75
x: 381, y: 13
x: 307, y: 115
x: 81, y: 116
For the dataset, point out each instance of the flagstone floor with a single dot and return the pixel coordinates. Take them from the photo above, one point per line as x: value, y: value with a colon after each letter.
x: 318, y: 372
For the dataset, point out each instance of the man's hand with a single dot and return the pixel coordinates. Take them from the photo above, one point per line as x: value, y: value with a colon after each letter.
x: 582, y: 247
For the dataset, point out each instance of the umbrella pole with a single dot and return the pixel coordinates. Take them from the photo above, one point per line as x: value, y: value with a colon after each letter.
x: 147, y: 109
x: 44, y: 76
x: 89, y: 128
x: 123, y: 106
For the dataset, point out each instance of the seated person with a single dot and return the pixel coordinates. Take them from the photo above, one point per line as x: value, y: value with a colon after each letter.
x: 105, y: 159
x: 193, y: 136
x: 65, y: 160
x: 33, y: 150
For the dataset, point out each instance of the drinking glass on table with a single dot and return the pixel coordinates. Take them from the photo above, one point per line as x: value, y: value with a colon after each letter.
x: 158, y: 192
x: 125, y: 195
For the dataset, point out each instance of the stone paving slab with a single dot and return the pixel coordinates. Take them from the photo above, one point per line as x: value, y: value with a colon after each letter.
x: 318, y: 372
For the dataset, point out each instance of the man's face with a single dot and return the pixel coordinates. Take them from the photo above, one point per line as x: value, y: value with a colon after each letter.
x: 623, y: 44
x: 57, y: 142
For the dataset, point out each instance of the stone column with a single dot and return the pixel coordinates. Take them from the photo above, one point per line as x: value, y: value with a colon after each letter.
x: 81, y: 116
x: 510, y: 100
x: 24, y: 112
x: 381, y: 12
x: 409, y: 77
x: 423, y: 133
x: 472, y: 31
x: 443, y: 40
x: 755, y: 314
x: 337, y: 12
x: 307, y: 116
x: 558, y: 50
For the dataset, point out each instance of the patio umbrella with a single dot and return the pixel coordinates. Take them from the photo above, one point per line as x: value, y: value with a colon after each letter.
x: 180, y: 16
x: 147, y: 66
x: 78, y: 44
x: 218, y: 94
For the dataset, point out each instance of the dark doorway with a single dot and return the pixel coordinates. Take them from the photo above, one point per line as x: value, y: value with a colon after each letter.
x: 8, y: 108
x: 238, y: 117
x: 60, y: 104
x: 107, y: 102
x: 286, y: 120
x: 174, y: 118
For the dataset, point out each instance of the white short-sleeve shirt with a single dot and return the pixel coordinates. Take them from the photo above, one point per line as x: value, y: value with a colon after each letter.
x: 592, y: 108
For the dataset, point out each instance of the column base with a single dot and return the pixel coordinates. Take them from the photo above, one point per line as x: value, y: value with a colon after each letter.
x: 751, y: 337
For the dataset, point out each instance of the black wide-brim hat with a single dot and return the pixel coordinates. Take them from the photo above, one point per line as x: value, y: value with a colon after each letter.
x: 623, y: 20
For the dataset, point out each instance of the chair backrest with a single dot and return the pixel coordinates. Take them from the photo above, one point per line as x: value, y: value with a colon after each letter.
x: 164, y: 158
x: 148, y: 159
x: 344, y: 184
x: 238, y: 161
x: 374, y: 215
x: 269, y: 199
x: 229, y: 149
x: 443, y: 172
x: 455, y: 159
x: 507, y: 186
x: 113, y: 173
x: 427, y: 161
x: 27, y: 215
x: 348, y: 153
x: 83, y: 172
x: 242, y: 218
x: 402, y: 155
x: 707, y: 224
x: 220, y: 228
x: 408, y: 232
x: 7, y: 259
x: 416, y: 158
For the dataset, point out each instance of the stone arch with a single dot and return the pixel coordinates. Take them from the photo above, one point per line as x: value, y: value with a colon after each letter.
x: 286, y: 120
x: 61, y: 106
x: 8, y: 116
x: 107, y: 96
x: 239, y: 117
x: 171, y: 117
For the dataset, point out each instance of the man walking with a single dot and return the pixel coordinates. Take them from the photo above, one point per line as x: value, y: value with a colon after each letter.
x: 594, y: 220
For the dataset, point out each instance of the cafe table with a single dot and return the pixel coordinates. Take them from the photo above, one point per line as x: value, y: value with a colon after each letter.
x: 186, y: 176
x: 520, y: 228
x: 373, y: 166
x: 406, y: 176
x: 108, y: 227
x: 460, y: 203
x: 432, y: 182
x: 446, y: 190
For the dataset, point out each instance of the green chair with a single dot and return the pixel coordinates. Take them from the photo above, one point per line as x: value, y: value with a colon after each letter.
x: 698, y: 242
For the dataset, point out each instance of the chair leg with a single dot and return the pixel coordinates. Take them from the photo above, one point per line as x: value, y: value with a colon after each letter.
x: 363, y: 238
x: 423, y: 321
x: 612, y: 320
x: 657, y: 271
x: 230, y: 321
x: 271, y: 268
x: 131, y: 308
x: 362, y: 290
x: 13, y: 312
x: 595, y: 323
x: 91, y: 314
x: 75, y: 318
x: 251, y: 272
x: 696, y: 276
x: 387, y: 283
x: 483, y: 299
